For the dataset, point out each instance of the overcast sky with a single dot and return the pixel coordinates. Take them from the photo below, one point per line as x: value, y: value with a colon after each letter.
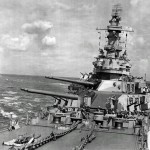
x: 44, y: 37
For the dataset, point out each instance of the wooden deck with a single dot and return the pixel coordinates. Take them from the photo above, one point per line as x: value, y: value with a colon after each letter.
x: 105, y: 140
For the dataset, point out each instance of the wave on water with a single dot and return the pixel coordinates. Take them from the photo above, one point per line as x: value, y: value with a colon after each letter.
x: 61, y: 84
x: 12, y: 98
x: 10, y: 92
x: 15, y: 104
x: 30, y: 104
x: 4, y: 101
x: 37, y: 100
x: 8, y: 114
x: 21, y: 110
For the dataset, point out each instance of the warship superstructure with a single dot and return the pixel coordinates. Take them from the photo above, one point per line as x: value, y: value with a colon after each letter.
x: 106, y: 109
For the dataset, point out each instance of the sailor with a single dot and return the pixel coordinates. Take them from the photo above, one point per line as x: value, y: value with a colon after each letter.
x: 90, y: 75
x: 108, y: 105
x: 148, y: 133
x: 114, y: 102
x: 16, y: 126
x: 12, y: 125
x: 145, y: 128
x: 148, y: 140
x: 27, y: 119
x: 101, y: 53
x: 124, y: 55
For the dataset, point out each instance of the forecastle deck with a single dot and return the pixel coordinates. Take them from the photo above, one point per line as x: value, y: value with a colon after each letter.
x: 111, y: 139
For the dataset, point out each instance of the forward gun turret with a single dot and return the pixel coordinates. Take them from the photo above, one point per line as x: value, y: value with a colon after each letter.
x: 85, y: 83
x: 53, y: 94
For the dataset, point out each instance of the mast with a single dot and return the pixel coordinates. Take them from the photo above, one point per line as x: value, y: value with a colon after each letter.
x: 113, y: 47
x: 112, y: 64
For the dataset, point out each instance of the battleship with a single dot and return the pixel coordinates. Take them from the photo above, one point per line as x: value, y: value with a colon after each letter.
x: 107, y: 109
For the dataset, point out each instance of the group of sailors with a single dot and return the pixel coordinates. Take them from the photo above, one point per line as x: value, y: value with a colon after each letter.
x: 142, y: 119
x: 144, y: 133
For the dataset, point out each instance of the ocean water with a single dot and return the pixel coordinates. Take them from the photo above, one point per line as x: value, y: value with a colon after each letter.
x: 17, y: 102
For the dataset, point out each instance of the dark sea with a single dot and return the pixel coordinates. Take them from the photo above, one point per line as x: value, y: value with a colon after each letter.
x: 17, y: 102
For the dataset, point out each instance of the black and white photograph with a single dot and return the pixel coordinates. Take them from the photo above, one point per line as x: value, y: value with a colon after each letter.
x: 75, y: 74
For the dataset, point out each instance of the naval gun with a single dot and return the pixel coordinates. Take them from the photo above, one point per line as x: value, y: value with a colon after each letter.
x: 80, y: 82
x: 71, y: 100
x: 77, y: 85
x: 53, y: 94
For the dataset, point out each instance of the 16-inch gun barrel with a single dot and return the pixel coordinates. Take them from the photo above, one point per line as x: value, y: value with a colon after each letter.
x: 86, y: 83
x: 53, y: 94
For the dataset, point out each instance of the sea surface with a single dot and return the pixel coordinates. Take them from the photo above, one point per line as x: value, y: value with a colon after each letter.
x: 17, y: 102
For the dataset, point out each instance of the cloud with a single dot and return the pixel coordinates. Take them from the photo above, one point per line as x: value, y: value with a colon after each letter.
x: 144, y: 63
x: 41, y: 29
x: 20, y: 42
x: 141, y: 66
x: 134, y: 2
x: 141, y: 40
x: 140, y: 11
x: 86, y: 7
x: 139, y: 50
x: 60, y: 5
x: 37, y: 27
x: 49, y: 41
x: 1, y: 50
x: 27, y: 25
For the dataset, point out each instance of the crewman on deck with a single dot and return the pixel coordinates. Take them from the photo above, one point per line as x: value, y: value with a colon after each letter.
x: 148, y: 130
x: 108, y: 105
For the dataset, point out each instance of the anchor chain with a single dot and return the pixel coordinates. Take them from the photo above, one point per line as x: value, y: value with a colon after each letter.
x: 52, y: 137
x: 85, y: 141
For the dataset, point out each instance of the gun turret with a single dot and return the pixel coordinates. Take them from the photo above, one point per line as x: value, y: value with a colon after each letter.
x: 53, y: 94
x: 85, y: 83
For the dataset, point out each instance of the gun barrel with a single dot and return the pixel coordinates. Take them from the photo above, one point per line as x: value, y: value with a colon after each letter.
x: 53, y: 94
x: 86, y: 83
x: 131, y: 104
